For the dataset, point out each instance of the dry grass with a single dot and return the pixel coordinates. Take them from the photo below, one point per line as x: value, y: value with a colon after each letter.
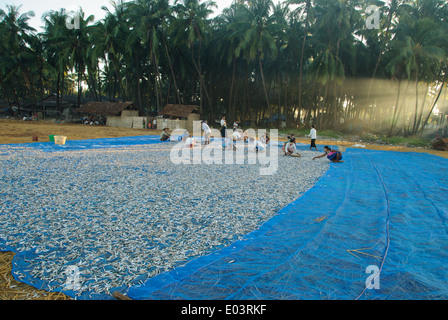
x: 10, y: 289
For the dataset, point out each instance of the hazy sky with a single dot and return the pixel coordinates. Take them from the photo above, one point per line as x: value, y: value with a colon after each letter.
x: 89, y: 7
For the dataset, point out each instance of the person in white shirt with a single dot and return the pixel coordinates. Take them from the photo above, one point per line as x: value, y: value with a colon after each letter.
x: 223, y: 126
x: 313, y: 136
x: 289, y: 149
x: 236, y: 137
x: 207, y: 132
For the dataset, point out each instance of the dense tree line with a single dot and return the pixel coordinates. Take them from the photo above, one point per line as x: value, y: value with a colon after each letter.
x: 302, y: 61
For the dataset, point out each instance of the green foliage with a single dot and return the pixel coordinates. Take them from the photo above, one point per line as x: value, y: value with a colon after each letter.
x: 329, y: 134
x: 411, y: 141
x: 257, y: 61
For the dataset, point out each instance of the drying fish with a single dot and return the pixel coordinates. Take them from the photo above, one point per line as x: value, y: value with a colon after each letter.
x: 116, y: 217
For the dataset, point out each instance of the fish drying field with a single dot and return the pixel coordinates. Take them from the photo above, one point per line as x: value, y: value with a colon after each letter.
x: 87, y: 222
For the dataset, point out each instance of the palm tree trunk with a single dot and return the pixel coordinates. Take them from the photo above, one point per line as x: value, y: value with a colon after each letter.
x: 231, y: 104
x: 394, y: 119
x: 41, y: 79
x: 79, y: 86
x: 99, y: 83
x: 62, y: 83
x: 432, y: 108
x: 198, y: 70
x: 380, y: 55
x: 263, y: 81
x: 416, y: 100
x: 91, y: 85
x: 171, y: 70
x: 324, y: 106
x: 121, y: 88
x: 422, y: 109
x: 156, y: 81
x: 403, y: 106
x: 58, y: 100
x: 307, y: 7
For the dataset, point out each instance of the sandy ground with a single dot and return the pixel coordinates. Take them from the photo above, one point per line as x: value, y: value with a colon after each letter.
x: 18, y: 131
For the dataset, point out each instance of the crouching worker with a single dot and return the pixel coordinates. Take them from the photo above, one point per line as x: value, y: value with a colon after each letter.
x: 289, y: 148
x: 332, y: 155
x: 165, y: 135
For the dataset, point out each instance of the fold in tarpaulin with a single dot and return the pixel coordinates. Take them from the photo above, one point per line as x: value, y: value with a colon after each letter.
x: 373, y: 227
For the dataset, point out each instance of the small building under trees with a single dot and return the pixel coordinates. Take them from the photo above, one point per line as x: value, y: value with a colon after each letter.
x: 114, y: 114
x: 178, y: 116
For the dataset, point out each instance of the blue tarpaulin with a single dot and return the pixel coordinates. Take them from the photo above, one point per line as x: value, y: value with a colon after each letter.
x: 71, y: 145
x: 373, y: 227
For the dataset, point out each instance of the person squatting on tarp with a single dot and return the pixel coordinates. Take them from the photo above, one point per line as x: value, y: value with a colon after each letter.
x: 289, y: 149
x: 332, y: 155
x: 165, y: 135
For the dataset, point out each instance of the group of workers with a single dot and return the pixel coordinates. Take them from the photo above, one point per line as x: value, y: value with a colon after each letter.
x: 289, y: 148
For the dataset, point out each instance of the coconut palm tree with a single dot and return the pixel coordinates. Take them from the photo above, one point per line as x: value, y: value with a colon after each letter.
x: 55, y: 28
x: 191, y: 28
x: 112, y: 43
x: 69, y: 44
x: 305, y: 9
x: 258, y: 39
x: 418, y: 48
x: 16, y: 57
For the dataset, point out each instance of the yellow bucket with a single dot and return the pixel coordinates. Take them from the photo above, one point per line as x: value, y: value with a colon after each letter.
x: 59, y: 139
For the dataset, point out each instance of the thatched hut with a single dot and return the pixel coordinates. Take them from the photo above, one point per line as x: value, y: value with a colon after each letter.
x: 115, y: 114
x: 179, y: 111
x: 107, y: 108
x: 178, y: 116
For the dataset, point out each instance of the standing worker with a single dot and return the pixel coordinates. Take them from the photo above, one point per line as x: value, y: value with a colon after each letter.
x: 313, y: 136
x: 223, y: 126
x: 207, y: 132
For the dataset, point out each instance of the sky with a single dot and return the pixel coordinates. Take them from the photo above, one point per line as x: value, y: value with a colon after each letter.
x: 89, y: 7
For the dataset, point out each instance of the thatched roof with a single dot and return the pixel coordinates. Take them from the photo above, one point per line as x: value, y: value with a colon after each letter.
x: 178, y: 110
x: 106, y: 108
